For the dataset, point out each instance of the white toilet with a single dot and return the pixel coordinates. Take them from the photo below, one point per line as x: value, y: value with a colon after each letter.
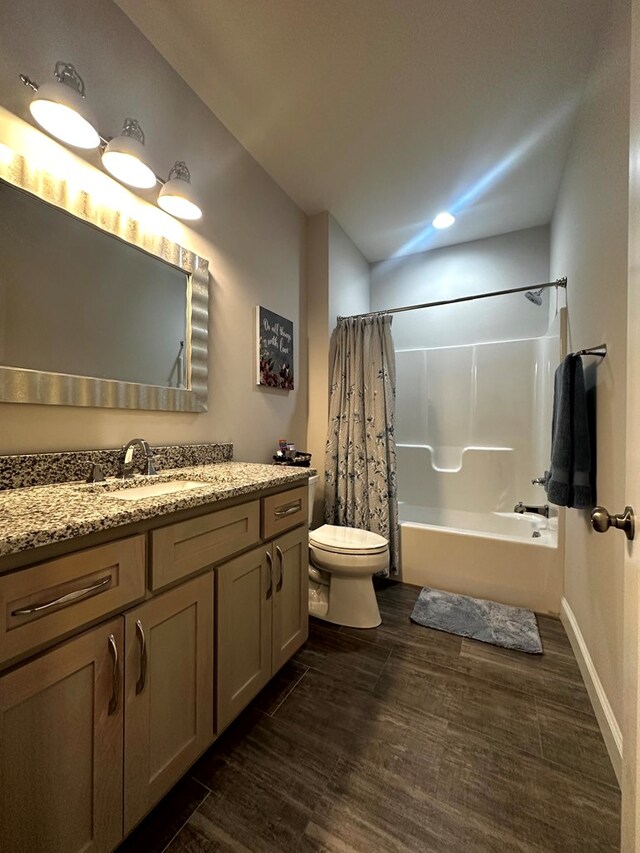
x: 342, y: 563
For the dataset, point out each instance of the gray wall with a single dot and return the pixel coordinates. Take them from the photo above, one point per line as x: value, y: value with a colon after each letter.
x: 589, y: 245
x: 251, y: 232
x: 338, y: 280
x: 496, y: 263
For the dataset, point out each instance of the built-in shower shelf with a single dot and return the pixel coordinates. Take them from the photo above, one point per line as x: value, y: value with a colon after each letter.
x: 447, y: 459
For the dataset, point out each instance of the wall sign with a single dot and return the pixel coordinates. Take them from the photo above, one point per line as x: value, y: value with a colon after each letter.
x: 274, y: 336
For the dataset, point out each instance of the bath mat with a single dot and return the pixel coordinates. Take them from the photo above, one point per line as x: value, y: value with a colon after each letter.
x: 510, y: 627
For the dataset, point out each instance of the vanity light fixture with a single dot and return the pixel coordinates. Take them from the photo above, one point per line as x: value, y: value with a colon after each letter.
x: 443, y: 220
x: 61, y: 109
x: 124, y: 157
x: 177, y: 196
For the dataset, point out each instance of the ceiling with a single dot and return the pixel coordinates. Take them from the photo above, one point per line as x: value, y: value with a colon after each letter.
x: 385, y: 112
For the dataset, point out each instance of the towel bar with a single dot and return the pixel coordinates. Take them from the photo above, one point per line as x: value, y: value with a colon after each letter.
x: 600, y: 351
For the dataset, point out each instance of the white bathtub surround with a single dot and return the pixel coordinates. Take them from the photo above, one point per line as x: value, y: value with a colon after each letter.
x: 496, y: 525
x: 473, y: 431
x: 474, y: 423
x: 360, y: 461
x: 486, y: 555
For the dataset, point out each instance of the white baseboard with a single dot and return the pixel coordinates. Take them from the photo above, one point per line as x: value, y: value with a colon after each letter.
x: 604, y: 713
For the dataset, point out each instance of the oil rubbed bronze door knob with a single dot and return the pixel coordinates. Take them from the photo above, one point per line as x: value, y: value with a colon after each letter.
x: 601, y: 521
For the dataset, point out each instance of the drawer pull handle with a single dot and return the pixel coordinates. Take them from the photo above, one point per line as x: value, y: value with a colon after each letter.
x: 288, y: 509
x: 270, y: 561
x: 76, y: 595
x: 113, y: 702
x: 281, y: 578
x: 143, y: 657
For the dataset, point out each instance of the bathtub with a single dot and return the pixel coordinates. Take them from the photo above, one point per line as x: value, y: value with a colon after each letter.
x: 504, y: 556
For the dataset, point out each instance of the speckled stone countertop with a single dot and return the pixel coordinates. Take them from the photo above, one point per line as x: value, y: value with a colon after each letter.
x: 41, y: 515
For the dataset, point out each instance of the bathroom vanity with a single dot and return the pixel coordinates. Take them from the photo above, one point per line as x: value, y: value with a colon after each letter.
x: 132, y: 632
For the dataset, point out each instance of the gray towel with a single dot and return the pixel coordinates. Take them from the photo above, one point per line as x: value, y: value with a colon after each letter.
x: 568, y: 482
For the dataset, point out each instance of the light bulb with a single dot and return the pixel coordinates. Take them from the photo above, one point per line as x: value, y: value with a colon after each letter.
x: 443, y: 220
x: 177, y: 196
x: 60, y: 108
x: 124, y: 157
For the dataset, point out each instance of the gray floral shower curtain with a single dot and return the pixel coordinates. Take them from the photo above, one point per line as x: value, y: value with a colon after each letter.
x: 360, y: 461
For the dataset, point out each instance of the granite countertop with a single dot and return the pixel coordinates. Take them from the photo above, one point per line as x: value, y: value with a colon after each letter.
x: 41, y: 515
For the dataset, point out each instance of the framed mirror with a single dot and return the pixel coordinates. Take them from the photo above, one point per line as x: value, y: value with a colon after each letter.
x: 94, y: 310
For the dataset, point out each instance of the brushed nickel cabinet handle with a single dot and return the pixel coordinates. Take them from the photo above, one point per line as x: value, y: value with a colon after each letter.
x: 270, y: 561
x: 143, y: 657
x: 288, y: 509
x: 76, y: 595
x: 281, y: 578
x: 113, y: 702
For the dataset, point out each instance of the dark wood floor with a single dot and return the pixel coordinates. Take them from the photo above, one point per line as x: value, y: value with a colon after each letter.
x: 402, y: 739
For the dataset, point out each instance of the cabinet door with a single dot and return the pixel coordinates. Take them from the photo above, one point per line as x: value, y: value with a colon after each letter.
x: 244, y: 591
x: 168, y: 692
x: 290, y: 594
x: 61, y: 724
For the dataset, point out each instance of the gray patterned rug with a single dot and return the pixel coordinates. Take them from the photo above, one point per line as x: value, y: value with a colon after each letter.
x: 487, y: 621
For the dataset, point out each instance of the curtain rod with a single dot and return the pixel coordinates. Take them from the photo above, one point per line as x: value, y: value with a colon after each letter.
x: 559, y: 282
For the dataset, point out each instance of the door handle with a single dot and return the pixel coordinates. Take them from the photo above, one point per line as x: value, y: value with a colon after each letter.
x: 270, y: 561
x: 143, y: 657
x: 113, y: 702
x: 281, y: 559
x: 601, y: 520
x: 288, y: 509
x: 76, y: 595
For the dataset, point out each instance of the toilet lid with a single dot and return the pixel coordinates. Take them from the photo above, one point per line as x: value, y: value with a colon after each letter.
x: 347, y: 540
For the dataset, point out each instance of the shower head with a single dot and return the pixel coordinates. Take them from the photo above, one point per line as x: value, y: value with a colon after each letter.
x: 534, y: 296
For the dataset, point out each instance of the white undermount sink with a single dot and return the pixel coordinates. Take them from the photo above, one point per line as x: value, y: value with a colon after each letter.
x: 155, y: 490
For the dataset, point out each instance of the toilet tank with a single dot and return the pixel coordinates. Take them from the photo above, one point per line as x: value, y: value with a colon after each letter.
x: 313, y: 482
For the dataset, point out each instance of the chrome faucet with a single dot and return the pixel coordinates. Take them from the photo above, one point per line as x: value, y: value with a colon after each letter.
x: 127, y: 458
x: 540, y: 510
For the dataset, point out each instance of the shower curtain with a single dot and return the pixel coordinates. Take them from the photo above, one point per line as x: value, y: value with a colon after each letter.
x: 360, y: 460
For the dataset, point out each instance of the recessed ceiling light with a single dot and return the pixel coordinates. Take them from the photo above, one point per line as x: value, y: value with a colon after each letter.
x: 443, y: 220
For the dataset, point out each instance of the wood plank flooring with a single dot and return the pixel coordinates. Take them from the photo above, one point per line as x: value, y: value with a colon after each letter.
x: 402, y: 739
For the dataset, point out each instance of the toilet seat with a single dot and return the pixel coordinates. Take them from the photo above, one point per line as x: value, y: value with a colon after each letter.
x: 347, y: 540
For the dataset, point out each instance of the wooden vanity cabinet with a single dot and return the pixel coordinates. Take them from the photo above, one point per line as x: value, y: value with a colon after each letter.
x: 94, y: 731
x: 61, y: 726
x: 168, y: 692
x: 262, y: 605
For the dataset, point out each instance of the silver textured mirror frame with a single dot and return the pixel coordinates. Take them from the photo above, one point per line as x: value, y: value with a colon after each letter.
x: 18, y: 385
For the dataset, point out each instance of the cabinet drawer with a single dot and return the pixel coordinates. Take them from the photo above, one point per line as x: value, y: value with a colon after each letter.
x: 181, y: 549
x: 283, y: 511
x: 41, y: 604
